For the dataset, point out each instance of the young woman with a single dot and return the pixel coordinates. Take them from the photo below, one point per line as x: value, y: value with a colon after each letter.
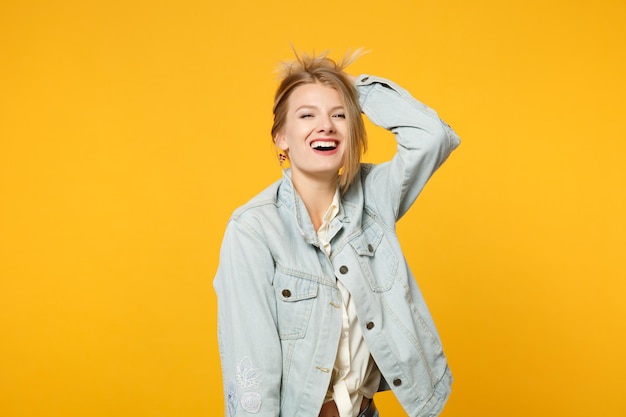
x: 317, y: 308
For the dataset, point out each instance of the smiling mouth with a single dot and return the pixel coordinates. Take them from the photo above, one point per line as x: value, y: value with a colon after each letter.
x: 324, y: 145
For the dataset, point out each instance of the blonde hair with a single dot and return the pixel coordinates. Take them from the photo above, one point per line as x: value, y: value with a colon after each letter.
x: 307, y: 69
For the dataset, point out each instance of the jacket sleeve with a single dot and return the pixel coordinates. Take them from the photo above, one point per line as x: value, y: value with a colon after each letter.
x: 250, y: 350
x: 424, y: 142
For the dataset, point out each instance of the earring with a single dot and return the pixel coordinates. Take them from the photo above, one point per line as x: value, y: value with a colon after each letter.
x: 282, y: 158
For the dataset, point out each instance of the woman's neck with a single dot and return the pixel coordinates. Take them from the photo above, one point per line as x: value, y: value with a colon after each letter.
x: 316, y: 196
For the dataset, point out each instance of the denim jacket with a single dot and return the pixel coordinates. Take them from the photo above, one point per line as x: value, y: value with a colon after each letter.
x: 279, y: 307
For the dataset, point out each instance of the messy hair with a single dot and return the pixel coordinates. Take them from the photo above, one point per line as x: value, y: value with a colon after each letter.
x: 307, y: 69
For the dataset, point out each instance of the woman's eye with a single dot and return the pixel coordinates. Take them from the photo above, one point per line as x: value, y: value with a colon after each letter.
x: 305, y: 115
x: 340, y: 115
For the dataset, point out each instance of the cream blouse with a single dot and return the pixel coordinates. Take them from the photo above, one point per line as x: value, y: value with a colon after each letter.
x: 355, y: 374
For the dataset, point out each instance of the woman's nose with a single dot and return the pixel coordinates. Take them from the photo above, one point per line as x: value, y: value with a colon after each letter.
x: 326, y: 125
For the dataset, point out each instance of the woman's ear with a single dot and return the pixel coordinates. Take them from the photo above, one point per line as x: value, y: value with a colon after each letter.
x: 280, y: 141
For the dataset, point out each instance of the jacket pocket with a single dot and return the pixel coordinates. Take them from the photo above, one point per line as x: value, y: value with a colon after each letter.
x: 294, y: 298
x: 378, y: 261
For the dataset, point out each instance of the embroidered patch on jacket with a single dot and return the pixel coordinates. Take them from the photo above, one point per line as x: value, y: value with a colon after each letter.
x: 251, y: 402
x: 247, y: 376
x: 249, y: 380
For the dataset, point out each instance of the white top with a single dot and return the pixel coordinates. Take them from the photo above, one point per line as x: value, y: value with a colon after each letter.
x: 355, y: 374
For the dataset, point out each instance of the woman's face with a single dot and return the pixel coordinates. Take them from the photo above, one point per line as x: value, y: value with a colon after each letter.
x: 315, y: 132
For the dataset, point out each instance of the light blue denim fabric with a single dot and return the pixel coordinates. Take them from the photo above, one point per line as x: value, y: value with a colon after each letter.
x: 279, y: 314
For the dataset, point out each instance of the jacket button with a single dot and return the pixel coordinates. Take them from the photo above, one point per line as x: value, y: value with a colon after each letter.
x: 286, y: 293
x: 397, y: 382
x: 370, y: 325
x: 343, y: 269
x: 370, y: 248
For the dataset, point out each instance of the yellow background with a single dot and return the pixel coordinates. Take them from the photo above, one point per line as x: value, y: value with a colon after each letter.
x: 130, y: 130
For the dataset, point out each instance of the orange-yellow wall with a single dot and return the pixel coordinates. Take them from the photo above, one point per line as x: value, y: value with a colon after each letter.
x: 129, y: 130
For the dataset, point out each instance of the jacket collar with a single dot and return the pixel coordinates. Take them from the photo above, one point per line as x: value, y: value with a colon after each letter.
x: 348, y: 218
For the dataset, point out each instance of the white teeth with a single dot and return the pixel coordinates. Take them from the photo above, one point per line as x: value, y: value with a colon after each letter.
x: 324, y: 144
